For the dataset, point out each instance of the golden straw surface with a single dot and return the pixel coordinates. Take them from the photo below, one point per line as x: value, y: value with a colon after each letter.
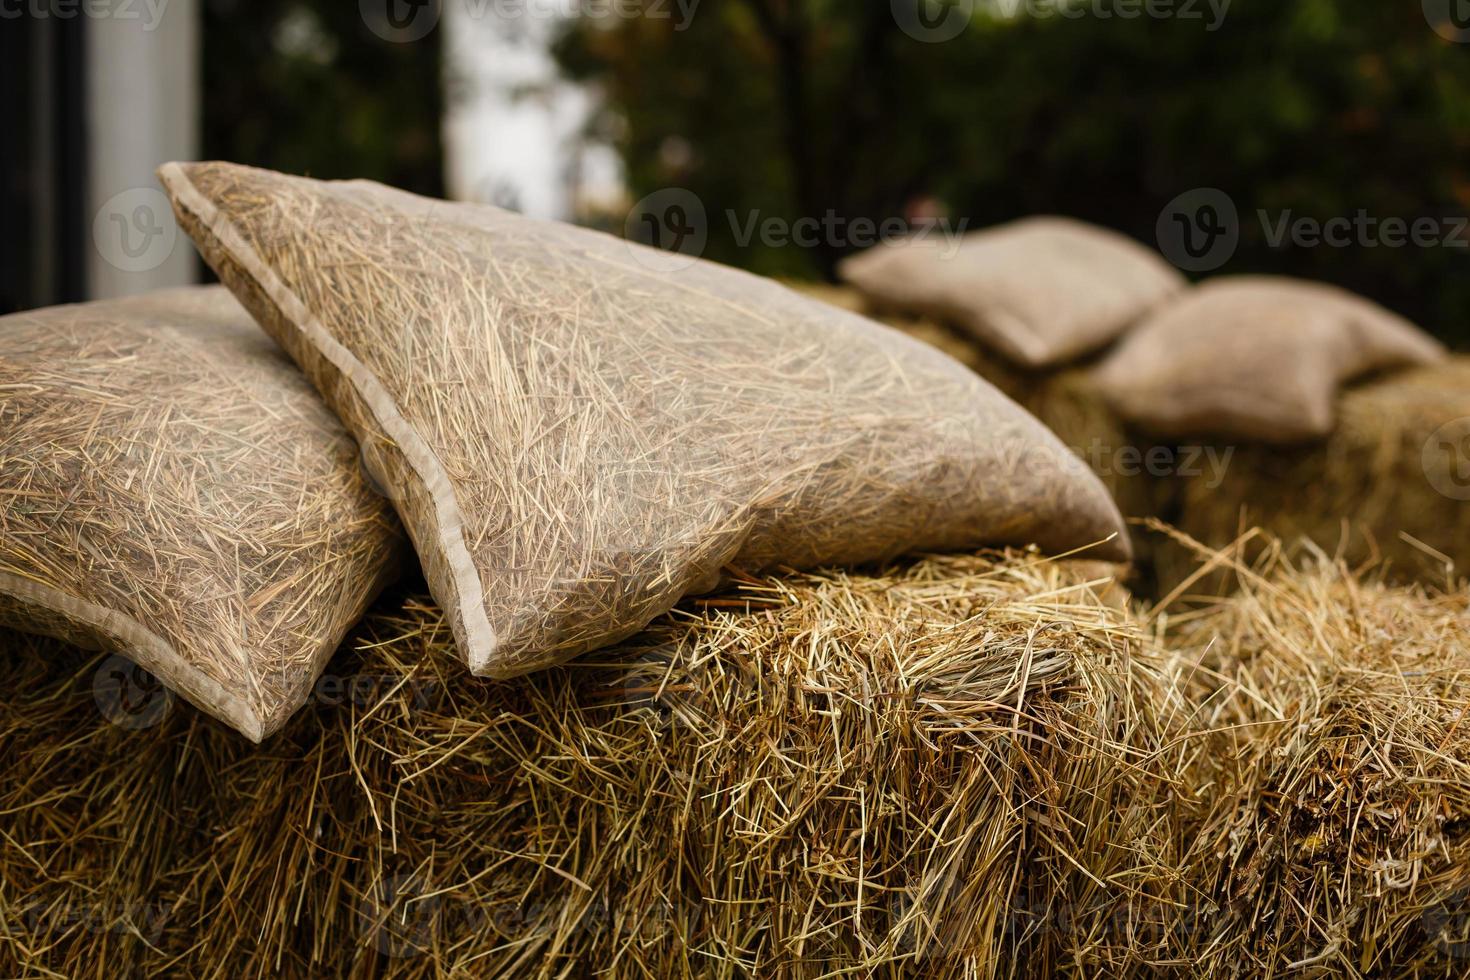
x: 962, y: 767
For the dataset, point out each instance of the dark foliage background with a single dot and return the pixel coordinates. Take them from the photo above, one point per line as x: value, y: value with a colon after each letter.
x: 307, y: 88
x: 795, y: 107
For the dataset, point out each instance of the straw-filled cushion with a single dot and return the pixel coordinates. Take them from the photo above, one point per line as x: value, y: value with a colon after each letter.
x: 172, y: 489
x: 1040, y: 291
x: 1256, y: 358
x: 578, y: 431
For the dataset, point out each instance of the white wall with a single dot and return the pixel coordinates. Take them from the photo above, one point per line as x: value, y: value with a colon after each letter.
x: 142, y: 110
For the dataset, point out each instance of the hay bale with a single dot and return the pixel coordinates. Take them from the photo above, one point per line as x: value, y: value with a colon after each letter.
x: 811, y: 773
x: 963, y: 767
x: 1370, y: 493
x: 1337, y: 759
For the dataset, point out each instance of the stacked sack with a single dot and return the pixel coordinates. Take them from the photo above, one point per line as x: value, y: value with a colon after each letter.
x: 573, y: 432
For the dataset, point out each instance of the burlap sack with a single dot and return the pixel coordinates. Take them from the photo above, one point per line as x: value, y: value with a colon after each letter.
x: 578, y: 431
x: 171, y: 488
x: 1254, y: 358
x: 1040, y: 291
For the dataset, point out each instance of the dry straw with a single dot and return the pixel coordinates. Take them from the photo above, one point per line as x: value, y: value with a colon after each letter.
x: 579, y: 430
x: 965, y: 767
x: 172, y: 489
x: 1337, y: 839
x: 808, y: 774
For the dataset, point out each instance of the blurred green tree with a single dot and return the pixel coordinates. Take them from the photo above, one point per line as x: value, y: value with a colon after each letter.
x: 793, y: 108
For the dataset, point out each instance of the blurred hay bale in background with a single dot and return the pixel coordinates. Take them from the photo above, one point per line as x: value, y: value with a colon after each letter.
x: 1385, y: 487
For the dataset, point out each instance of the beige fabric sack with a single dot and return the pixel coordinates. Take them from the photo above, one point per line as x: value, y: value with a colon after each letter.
x: 1255, y: 358
x: 1040, y: 291
x: 172, y: 489
x: 578, y: 431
